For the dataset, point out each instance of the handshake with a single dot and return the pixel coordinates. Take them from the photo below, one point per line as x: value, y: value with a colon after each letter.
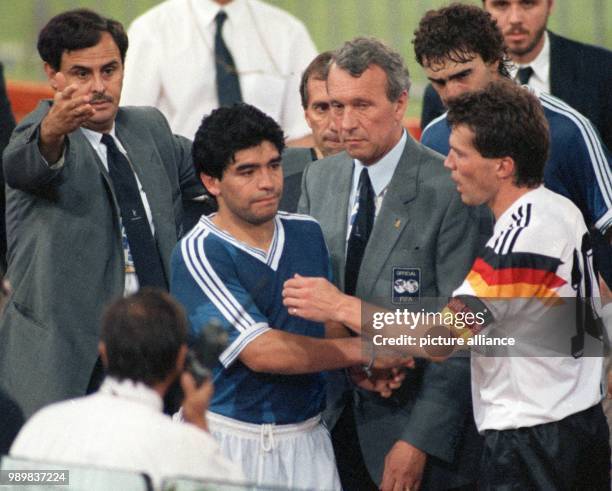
x: 318, y: 300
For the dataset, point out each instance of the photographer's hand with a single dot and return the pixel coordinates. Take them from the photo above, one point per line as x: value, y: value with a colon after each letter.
x: 195, y: 403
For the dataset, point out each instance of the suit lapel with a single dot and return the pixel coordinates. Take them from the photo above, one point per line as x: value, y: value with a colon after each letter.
x: 81, y: 141
x: 392, y: 218
x: 558, y: 78
x: 338, y: 211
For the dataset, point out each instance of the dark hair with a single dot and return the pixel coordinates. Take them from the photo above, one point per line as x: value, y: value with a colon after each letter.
x: 317, y: 70
x: 228, y: 130
x: 77, y: 29
x: 458, y: 33
x: 143, y: 334
x: 358, y: 55
x: 507, y: 121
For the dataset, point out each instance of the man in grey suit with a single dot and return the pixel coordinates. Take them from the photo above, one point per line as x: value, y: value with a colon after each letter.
x: 317, y: 112
x: 421, y: 233
x: 94, y: 208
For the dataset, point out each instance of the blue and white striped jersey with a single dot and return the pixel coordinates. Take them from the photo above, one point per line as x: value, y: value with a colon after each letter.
x: 218, y: 278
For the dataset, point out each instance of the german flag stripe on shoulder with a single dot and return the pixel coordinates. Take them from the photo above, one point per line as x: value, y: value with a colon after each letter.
x: 513, y: 275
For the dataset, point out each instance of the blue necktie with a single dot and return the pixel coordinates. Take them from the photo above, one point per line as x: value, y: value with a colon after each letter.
x: 524, y: 74
x: 360, y: 232
x: 228, y: 85
x: 147, y: 260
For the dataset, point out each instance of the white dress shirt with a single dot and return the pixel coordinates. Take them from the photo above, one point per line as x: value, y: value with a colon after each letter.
x: 170, y: 62
x: 380, y: 175
x: 540, y: 78
x: 122, y: 427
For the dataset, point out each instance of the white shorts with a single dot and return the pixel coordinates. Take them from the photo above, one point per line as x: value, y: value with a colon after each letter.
x: 297, y: 456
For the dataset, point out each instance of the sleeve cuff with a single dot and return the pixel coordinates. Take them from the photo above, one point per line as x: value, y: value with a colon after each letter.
x: 59, y: 164
x: 35, y: 135
x: 233, y: 350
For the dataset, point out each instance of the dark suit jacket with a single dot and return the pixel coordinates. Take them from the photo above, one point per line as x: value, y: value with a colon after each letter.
x: 12, y: 421
x: 422, y: 225
x: 7, y: 125
x: 295, y: 161
x: 580, y: 75
x: 65, y: 253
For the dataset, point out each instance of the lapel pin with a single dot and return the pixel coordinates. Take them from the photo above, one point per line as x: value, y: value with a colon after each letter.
x: 398, y: 222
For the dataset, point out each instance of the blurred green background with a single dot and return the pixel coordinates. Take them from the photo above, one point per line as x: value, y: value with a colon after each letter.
x: 330, y: 22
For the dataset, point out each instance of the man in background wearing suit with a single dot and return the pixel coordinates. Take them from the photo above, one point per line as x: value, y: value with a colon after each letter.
x: 94, y: 208
x: 390, y: 214
x: 317, y: 112
x: 577, y: 73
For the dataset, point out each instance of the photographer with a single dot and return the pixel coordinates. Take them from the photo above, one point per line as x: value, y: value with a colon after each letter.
x: 122, y: 425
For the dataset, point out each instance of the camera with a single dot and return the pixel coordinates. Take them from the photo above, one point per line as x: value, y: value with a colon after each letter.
x: 204, y: 353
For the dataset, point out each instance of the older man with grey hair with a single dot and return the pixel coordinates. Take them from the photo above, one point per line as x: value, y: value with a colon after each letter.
x: 392, y: 217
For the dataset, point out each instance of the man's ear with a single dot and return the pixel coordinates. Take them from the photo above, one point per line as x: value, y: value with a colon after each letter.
x: 180, y: 358
x: 51, y: 73
x: 506, y: 168
x: 402, y: 105
x: 493, y: 68
x: 103, y: 353
x: 211, y: 184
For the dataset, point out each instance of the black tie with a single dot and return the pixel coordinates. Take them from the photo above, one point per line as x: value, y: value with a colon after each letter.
x: 360, y: 232
x: 524, y: 74
x: 228, y: 86
x: 144, y: 252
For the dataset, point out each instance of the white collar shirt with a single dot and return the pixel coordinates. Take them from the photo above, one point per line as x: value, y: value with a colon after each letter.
x: 380, y: 175
x: 122, y: 427
x: 540, y: 78
x: 170, y: 63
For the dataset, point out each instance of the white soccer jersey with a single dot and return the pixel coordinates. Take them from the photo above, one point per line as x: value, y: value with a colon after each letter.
x: 534, y: 262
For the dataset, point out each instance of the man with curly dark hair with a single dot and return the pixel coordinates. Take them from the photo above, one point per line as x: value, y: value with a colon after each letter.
x: 459, y: 34
x: 461, y: 49
x: 266, y: 412
x: 433, y: 105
